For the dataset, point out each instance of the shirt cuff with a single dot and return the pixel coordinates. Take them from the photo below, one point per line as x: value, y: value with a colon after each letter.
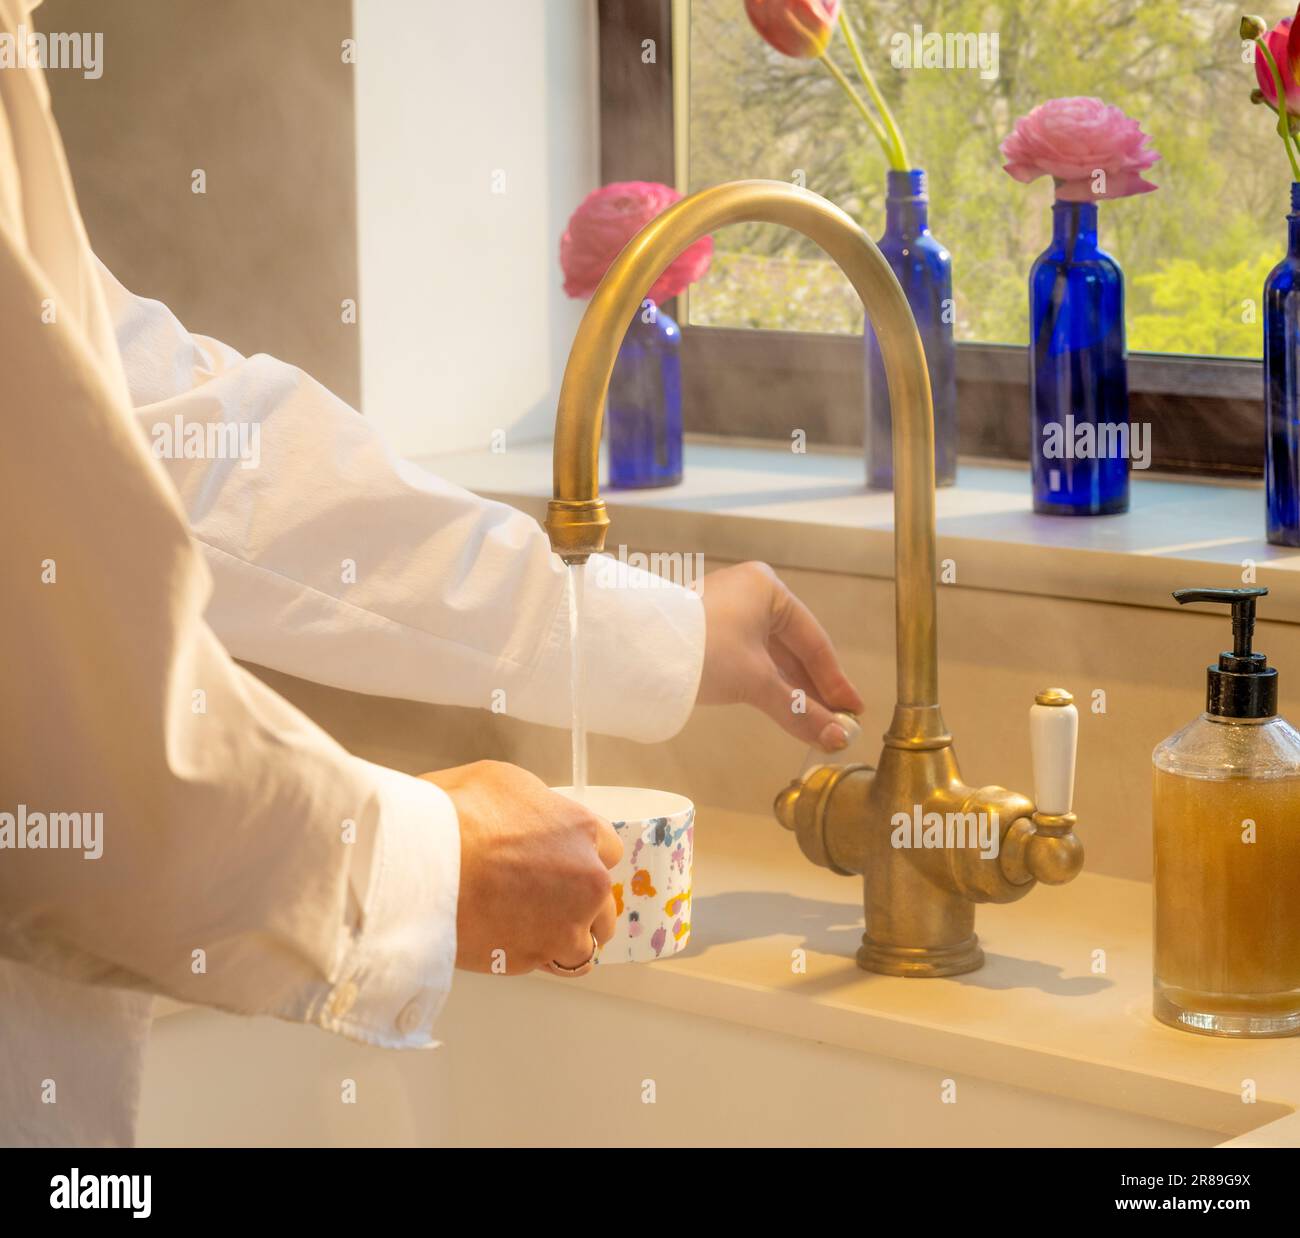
x: 396, y: 972
x: 643, y: 650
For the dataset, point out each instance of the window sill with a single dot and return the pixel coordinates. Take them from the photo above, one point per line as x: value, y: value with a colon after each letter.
x: 742, y: 500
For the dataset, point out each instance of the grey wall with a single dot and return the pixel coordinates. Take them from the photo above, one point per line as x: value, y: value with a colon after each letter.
x: 256, y: 94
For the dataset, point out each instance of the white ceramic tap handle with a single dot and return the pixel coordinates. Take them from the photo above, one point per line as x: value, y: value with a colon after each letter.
x: 1053, y: 740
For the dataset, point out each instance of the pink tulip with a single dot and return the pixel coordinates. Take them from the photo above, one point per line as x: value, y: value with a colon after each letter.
x: 1284, y: 42
x: 1291, y: 61
x: 799, y: 28
x: 603, y: 224
x: 1072, y: 141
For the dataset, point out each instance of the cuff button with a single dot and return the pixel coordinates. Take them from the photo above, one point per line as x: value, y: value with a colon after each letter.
x: 412, y: 1018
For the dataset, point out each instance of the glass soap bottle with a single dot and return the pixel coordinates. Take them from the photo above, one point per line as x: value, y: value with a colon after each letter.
x: 1227, y: 850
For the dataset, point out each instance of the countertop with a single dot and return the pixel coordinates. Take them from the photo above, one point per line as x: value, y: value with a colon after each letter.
x: 1063, y: 1003
x: 1036, y: 1015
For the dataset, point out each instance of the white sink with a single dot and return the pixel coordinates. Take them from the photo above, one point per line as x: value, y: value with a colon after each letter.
x: 539, y: 1062
x: 734, y: 1045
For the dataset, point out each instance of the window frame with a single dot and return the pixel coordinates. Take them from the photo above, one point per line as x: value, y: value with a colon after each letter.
x: 1206, y: 413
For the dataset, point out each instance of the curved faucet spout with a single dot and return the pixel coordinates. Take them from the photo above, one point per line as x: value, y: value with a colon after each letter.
x: 576, y: 518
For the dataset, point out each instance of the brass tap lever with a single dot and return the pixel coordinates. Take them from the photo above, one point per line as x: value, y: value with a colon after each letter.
x: 930, y: 848
x: 1045, y: 848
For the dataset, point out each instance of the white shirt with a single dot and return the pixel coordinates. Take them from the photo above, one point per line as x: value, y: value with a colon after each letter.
x: 248, y: 862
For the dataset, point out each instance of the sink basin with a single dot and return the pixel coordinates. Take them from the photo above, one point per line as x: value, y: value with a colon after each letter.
x: 762, y: 1032
x: 539, y: 1062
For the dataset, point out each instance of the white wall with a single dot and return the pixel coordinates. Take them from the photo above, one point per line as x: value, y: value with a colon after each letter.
x: 465, y: 326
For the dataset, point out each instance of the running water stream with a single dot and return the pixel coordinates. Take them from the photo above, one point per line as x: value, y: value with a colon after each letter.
x: 576, y: 677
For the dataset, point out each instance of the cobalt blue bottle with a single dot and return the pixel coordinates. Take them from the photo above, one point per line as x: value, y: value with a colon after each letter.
x: 644, y: 415
x: 924, y: 268
x: 1282, y: 388
x: 1078, y: 372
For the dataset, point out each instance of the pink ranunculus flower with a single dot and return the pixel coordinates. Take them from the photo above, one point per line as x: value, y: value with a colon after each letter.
x: 1282, y: 41
x: 606, y: 220
x: 799, y: 28
x: 1072, y: 140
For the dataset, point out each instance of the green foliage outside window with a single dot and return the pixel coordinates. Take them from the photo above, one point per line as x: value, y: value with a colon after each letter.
x: 1195, y: 253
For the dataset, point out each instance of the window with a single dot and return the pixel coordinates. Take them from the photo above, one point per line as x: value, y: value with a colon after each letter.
x: 1195, y: 253
x: 771, y: 334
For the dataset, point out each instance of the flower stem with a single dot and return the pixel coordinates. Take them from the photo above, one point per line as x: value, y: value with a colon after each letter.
x: 838, y: 75
x: 898, y: 156
x: 1283, y: 117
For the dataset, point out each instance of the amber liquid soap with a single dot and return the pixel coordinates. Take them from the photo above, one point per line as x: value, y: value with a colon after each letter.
x: 1227, y: 922
x: 1227, y: 850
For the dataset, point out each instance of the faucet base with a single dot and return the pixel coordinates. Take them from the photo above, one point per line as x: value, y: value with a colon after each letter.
x: 921, y: 961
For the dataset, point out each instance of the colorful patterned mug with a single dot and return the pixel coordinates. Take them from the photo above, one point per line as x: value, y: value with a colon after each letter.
x: 652, y: 882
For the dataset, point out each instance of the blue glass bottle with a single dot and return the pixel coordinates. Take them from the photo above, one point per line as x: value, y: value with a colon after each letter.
x: 1282, y: 388
x: 1078, y: 372
x: 644, y: 415
x: 924, y: 269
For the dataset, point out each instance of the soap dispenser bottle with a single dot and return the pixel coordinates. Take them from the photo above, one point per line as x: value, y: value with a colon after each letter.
x: 1227, y: 850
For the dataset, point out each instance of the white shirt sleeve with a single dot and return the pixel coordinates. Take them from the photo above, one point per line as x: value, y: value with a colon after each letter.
x: 336, y: 561
x: 167, y: 822
x: 398, y: 964
x: 222, y: 811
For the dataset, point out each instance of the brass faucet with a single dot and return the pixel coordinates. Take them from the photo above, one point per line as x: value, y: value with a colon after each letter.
x: 919, y: 895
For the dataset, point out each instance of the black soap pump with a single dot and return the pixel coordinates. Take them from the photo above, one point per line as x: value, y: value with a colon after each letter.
x: 1243, y: 685
x: 1227, y: 849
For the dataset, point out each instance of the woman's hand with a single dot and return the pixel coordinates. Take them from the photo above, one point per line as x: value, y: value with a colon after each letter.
x: 534, y: 870
x: 763, y: 647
